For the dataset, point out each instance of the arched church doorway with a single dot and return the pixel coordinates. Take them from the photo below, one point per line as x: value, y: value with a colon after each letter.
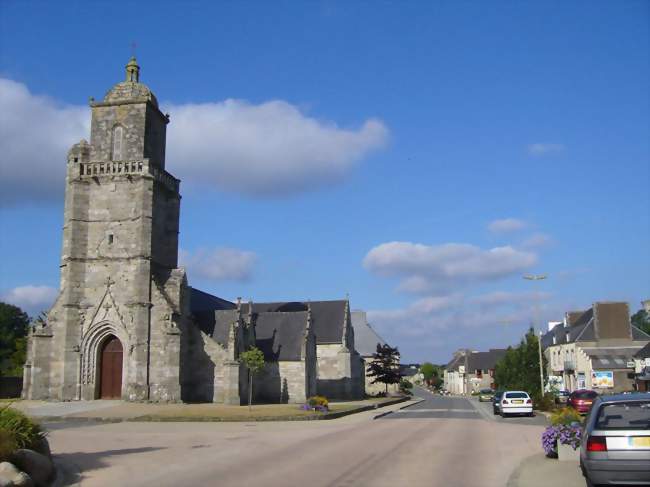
x: 110, y: 381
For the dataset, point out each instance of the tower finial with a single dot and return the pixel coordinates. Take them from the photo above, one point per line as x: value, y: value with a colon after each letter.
x: 133, y: 71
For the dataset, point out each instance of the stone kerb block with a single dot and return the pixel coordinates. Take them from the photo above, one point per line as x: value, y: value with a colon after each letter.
x: 10, y: 476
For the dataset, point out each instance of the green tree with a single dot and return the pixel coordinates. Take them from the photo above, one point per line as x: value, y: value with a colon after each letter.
x: 14, y: 325
x: 253, y: 359
x: 519, y: 367
x: 384, y: 366
x: 428, y: 370
x: 641, y: 319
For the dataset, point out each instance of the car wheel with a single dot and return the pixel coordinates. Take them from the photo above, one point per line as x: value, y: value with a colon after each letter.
x: 503, y: 415
x: 531, y: 415
x: 494, y: 411
x: 589, y: 482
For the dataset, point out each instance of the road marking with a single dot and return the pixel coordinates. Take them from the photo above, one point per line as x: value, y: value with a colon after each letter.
x: 440, y: 410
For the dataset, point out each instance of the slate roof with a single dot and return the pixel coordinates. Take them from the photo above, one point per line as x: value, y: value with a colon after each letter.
x: 485, y: 360
x: 202, y: 301
x: 327, y: 316
x: 455, y: 362
x: 573, y: 316
x: 280, y: 335
x: 213, y: 315
x: 409, y: 370
x: 610, y: 358
x: 639, y: 334
x: 644, y: 352
x: 365, y: 337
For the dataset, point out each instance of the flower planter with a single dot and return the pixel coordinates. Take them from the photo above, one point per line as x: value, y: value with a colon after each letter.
x: 566, y: 453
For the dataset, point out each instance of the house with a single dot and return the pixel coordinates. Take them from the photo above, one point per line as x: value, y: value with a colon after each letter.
x: 470, y: 371
x: 594, y: 349
x: 642, y: 369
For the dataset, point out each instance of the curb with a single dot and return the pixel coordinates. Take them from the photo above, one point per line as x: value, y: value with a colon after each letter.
x: 386, y: 413
x: 217, y: 419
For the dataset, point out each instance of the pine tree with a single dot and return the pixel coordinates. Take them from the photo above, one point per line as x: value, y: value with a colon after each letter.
x: 384, y: 367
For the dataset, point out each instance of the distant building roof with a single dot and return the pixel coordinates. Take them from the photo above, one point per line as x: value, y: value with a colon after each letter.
x: 610, y: 358
x: 644, y: 352
x: 366, y: 338
x: 485, y: 360
x: 409, y: 370
x: 454, y: 363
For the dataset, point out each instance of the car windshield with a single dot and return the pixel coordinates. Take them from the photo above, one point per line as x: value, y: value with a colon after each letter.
x: 486, y: 391
x: 624, y: 416
x: 585, y: 395
x: 516, y: 395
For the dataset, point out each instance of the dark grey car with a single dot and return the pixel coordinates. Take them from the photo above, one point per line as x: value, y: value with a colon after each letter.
x: 615, y: 446
x: 496, y: 402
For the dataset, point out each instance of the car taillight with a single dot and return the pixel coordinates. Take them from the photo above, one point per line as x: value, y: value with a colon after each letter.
x: 504, y: 402
x: 597, y: 443
x: 530, y: 401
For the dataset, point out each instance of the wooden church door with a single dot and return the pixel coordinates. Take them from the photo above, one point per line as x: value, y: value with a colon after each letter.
x: 111, y: 369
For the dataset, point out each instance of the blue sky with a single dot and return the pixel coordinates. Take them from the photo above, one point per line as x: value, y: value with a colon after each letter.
x: 357, y: 147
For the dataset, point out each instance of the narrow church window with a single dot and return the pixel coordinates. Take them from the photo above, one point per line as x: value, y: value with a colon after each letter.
x: 110, y: 239
x: 118, y: 134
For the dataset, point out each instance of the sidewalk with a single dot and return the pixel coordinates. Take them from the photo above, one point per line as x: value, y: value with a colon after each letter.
x: 539, y: 471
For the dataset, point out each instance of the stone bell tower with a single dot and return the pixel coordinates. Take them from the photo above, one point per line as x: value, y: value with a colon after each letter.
x: 114, y: 330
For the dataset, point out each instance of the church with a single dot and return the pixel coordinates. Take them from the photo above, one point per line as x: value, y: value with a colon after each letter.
x: 126, y: 323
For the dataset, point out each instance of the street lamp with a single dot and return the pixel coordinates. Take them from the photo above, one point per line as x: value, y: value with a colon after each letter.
x: 540, y: 277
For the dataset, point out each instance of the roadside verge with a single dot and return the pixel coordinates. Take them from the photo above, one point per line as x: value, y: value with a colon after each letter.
x: 138, y: 412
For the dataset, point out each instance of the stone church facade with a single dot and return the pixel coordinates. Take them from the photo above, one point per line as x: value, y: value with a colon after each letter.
x: 126, y: 324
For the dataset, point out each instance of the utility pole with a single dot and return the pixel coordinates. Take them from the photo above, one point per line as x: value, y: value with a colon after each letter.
x: 540, y: 277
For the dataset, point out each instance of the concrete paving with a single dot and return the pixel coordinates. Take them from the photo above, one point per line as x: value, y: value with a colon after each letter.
x: 539, y: 471
x: 437, y: 446
x: 47, y: 409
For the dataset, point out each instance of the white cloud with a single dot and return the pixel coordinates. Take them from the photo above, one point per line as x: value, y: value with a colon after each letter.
x: 32, y: 299
x: 537, y: 241
x: 35, y: 135
x: 506, y: 225
x: 269, y: 149
x: 423, y: 268
x: 504, y: 298
x: 541, y: 149
x: 220, y: 263
x: 432, y: 327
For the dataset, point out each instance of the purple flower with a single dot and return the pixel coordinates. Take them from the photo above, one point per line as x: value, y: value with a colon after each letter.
x: 562, y: 434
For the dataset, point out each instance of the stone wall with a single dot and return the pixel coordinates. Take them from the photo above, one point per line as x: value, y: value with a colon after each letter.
x: 338, y: 376
x: 281, y: 382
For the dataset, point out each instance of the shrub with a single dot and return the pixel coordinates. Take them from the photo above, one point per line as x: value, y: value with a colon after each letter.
x: 565, y: 416
x: 17, y: 431
x: 315, y: 401
x: 7, y: 445
x: 545, y: 402
x: 405, y: 386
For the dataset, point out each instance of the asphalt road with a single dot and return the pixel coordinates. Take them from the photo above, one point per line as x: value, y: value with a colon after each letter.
x: 440, y: 441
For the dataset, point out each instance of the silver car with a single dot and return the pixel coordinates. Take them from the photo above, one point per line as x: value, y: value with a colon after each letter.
x: 615, y: 447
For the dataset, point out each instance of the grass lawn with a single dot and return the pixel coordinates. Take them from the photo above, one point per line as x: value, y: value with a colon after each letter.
x: 218, y: 412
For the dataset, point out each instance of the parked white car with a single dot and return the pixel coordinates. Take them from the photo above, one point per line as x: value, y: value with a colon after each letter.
x: 516, y: 402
